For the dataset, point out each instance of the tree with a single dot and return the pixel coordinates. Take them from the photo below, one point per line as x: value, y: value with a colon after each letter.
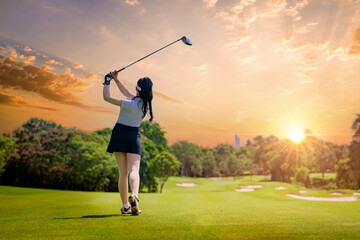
x: 302, y: 176
x: 149, y: 151
x: 263, y: 145
x: 163, y: 166
x: 190, y: 155
x: 33, y: 126
x: 63, y: 159
x: 325, y: 158
x: 354, y: 152
x: 344, y: 175
x: 7, y: 146
x: 226, y: 160
x: 153, y: 132
x: 208, y: 163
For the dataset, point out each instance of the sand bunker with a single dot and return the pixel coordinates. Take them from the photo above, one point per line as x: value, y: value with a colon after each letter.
x: 357, y: 193
x: 302, y: 191
x: 336, y: 199
x: 249, y: 188
x: 280, y: 188
x: 252, y: 186
x: 186, y: 184
x: 216, y: 178
x: 245, y: 190
x: 336, y: 193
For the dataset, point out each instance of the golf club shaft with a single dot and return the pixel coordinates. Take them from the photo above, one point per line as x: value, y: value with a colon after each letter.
x: 147, y: 55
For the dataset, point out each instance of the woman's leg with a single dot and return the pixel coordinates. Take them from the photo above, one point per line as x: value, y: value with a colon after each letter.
x: 133, y: 161
x: 123, y: 176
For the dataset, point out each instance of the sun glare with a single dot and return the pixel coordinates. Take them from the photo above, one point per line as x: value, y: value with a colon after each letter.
x: 296, y: 135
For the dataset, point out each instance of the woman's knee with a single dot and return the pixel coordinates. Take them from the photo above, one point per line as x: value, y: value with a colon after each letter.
x: 133, y: 171
x: 123, y: 173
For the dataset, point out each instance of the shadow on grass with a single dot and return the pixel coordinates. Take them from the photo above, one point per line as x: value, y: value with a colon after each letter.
x: 93, y: 216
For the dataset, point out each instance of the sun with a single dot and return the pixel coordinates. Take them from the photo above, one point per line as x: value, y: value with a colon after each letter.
x: 296, y: 135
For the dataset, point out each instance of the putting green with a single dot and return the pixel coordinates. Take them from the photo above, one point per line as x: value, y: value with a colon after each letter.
x: 210, y: 210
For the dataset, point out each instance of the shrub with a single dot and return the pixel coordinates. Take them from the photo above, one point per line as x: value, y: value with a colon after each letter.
x: 302, y: 176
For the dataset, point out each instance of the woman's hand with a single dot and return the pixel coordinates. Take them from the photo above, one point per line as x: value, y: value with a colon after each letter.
x: 114, y: 74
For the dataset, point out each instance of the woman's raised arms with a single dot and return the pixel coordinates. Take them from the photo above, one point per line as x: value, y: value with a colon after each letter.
x: 121, y: 86
x: 106, y: 95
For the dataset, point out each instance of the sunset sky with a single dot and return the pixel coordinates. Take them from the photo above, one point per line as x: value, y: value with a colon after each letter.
x: 255, y: 67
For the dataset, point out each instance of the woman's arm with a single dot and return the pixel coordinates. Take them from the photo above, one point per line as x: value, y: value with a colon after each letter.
x: 106, y: 95
x: 122, y: 88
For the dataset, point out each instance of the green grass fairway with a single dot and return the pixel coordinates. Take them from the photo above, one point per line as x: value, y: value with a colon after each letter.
x: 211, y: 210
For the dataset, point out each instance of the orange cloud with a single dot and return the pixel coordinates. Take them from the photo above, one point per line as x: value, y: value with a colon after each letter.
x: 131, y: 2
x: 67, y: 70
x: 1, y: 48
x: 30, y: 78
x: 89, y: 76
x: 16, y: 101
x: 13, y: 55
x: 47, y: 68
x: 210, y: 3
x: 170, y: 99
x: 27, y: 49
x: 51, y: 86
x: 355, y: 48
x: 52, y: 62
x: 27, y: 59
x: 78, y: 65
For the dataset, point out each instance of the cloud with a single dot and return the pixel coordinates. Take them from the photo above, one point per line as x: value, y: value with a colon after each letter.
x: 27, y: 59
x: 16, y: 101
x: 58, y: 88
x: 47, y: 68
x: 27, y: 49
x: 202, y: 69
x: 165, y: 97
x: 355, y: 48
x: 1, y: 48
x: 294, y: 11
x: 307, y: 28
x: 89, y: 76
x: 13, y: 55
x: 11, y: 100
x: 105, y: 33
x: 131, y: 2
x: 78, y: 66
x: 210, y: 3
x: 67, y: 71
x: 40, y: 80
x: 53, y: 62
x: 52, y: 8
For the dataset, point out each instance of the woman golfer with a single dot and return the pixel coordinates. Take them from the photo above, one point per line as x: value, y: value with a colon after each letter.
x: 125, y: 137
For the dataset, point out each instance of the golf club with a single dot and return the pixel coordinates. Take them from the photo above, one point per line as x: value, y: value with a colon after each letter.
x: 183, y: 39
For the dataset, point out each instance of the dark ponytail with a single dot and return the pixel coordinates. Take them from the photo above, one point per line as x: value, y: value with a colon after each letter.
x: 144, y: 86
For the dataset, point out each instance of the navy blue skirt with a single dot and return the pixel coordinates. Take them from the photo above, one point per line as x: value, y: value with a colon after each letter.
x: 125, y: 139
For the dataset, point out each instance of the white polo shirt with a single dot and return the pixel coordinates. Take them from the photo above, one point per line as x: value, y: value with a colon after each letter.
x: 130, y: 112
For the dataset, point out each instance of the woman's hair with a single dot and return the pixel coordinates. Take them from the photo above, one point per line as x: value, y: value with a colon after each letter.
x: 144, y: 86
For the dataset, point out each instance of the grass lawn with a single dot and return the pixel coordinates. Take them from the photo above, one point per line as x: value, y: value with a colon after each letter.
x: 211, y: 210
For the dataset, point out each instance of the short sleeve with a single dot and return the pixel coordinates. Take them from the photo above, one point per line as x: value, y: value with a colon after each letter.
x: 125, y: 103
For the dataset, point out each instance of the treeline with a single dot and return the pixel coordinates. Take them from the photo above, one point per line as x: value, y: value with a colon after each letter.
x: 281, y: 159
x: 44, y: 154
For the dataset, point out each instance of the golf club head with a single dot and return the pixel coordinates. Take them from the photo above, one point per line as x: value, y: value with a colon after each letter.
x: 186, y: 41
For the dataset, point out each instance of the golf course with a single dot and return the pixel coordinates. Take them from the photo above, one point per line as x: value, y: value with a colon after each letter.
x: 188, y: 208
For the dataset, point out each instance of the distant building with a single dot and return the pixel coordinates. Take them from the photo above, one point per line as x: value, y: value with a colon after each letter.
x: 237, y: 141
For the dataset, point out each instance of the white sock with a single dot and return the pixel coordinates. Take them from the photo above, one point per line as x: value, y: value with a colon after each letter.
x: 126, y: 205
